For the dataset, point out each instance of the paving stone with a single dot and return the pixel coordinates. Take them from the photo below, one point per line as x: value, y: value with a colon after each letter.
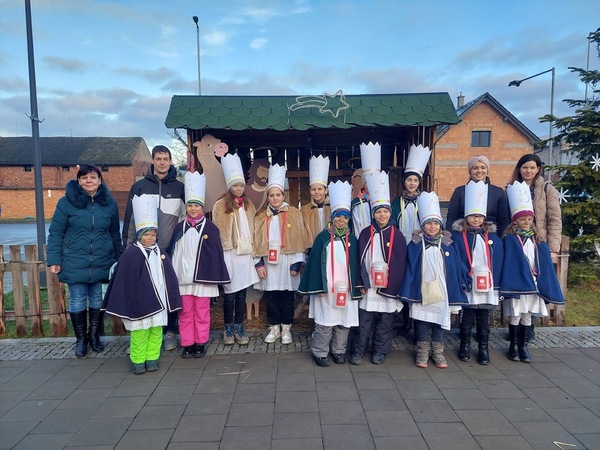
x: 336, y: 391
x: 250, y: 414
x: 115, y: 407
x: 13, y: 432
x: 418, y: 389
x: 199, y: 429
x: 521, y: 410
x: 423, y: 410
x: 382, y: 400
x: 371, y: 380
x: 442, y: 435
x: 214, y: 384
x: 486, y: 422
x: 297, y: 444
x: 591, y: 440
x: 30, y: 411
x: 551, y: 398
x: 254, y: 437
x: 297, y: 426
x: 578, y: 386
x: 341, y: 412
x: 68, y: 421
x: 254, y: 393
x: 467, y: 399
x: 408, y: 442
x: 101, y: 432
x: 577, y: 420
x: 296, y: 401
x: 543, y: 435
x: 506, y: 442
x: 295, y: 382
x: 156, y: 417
x: 145, y: 440
x: 48, y: 441
x: 171, y: 395
x: 206, y: 404
x: 499, y: 389
x: 135, y: 387
x: 344, y: 437
x: 391, y: 423
x: 86, y: 398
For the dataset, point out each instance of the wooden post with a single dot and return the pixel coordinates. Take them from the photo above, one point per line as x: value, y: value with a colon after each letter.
x: 16, y: 270
x: 2, y: 270
x: 33, y: 289
x: 56, y: 303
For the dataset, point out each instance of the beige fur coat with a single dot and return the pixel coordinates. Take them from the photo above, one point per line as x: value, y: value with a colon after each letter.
x: 293, y: 236
x: 227, y: 223
x: 310, y: 216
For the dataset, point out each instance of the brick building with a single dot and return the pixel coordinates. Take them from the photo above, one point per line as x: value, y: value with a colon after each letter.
x: 121, y: 160
x: 485, y: 128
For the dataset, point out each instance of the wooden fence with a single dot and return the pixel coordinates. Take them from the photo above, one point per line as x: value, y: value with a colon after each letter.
x: 30, y: 308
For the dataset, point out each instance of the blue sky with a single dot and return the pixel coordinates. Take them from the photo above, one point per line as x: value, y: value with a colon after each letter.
x: 110, y: 68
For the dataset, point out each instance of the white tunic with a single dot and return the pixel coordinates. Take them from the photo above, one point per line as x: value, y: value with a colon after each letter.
x: 322, y: 306
x: 240, y: 267
x: 159, y: 319
x: 433, y: 268
x: 278, y: 275
x: 408, y: 220
x: 480, y: 259
x: 373, y: 301
x: 531, y: 303
x: 184, y: 264
x: 361, y: 216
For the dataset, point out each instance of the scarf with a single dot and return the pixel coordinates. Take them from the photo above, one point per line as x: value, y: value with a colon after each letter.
x: 339, y: 232
x: 273, y: 211
x: 410, y: 198
x: 526, y: 234
x: 193, y: 222
x: 475, y: 230
x: 239, y: 201
x: 431, y: 240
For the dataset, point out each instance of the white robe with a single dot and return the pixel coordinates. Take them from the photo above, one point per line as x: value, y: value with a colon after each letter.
x: 240, y: 267
x: 480, y: 260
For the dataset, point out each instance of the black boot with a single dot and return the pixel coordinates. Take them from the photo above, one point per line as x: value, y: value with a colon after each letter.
x: 513, y: 353
x: 524, y: 339
x: 466, y: 323
x: 483, y: 336
x: 94, y: 332
x: 79, y: 321
x: 407, y: 323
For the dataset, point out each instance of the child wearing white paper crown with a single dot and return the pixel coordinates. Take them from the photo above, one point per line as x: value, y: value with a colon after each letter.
x: 382, y: 252
x: 143, y: 289
x: 370, y: 159
x: 528, y: 277
x: 404, y: 207
x: 435, y: 281
x: 330, y: 278
x: 480, y: 247
x: 315, y: 214
x: 279, y: 254
x: 199, y: 265
x: 233, y: 214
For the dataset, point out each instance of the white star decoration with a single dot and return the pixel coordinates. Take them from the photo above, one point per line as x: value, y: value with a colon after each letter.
x: 580, y: 232
x: 563, y: 195
x: 596, y: 162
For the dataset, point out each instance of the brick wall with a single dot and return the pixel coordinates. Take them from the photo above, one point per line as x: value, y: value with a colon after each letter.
x: 453, y: 150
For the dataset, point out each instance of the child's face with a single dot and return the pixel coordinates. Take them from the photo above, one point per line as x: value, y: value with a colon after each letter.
x: 382, y: 216
x: 148, y: 238
x: 411, y: 184
x: 317, y: 192
x: 237, y: 190
x: 194, y: 210
x: 432, y: 228
x: 340, y: 222
x: 524, y: 222
x: 475, y: 220
x: 275, y: 197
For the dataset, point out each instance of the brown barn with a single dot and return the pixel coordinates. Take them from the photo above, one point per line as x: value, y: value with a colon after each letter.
x: 122, y: 160
x: 486, y: 128
x: 290, y: 129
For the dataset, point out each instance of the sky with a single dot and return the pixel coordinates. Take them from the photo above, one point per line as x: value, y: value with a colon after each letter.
x: 110, y: 68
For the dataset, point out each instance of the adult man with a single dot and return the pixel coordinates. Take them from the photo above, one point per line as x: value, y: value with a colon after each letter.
x: 161, y: 181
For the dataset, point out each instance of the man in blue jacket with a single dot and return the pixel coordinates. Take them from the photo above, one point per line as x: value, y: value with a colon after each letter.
x: 161, y: 181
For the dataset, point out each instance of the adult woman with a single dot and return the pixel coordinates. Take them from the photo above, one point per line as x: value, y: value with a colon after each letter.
x: 546, y: 205
x: 497, y: 205
x: 83, y: 243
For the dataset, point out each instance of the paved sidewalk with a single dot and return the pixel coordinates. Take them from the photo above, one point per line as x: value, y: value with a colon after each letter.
x: 273, y: 397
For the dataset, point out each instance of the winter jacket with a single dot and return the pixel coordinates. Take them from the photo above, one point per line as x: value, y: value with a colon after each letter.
x: 548, y: 218
x: 170, y: 193
x: 497, y: 207
x: 84, y: 236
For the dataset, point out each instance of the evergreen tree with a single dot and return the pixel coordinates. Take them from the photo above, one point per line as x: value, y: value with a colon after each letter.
x: 579, y: 185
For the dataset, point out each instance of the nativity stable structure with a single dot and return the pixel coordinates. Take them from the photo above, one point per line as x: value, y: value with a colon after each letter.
x: 290, y: 129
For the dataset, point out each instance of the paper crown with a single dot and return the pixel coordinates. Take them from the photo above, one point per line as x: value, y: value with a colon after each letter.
x: 476, y: 197
x: 318, y: 170
x: 519, y: 200
x: 379, y: 189
x: 428, y: 206
x: 370, y: 157
x: 416, y: 162
x: 145, y: 211
x: 232, y: 169
x: 276, y: 177
x: 195, y: 187
x: 340, y: 195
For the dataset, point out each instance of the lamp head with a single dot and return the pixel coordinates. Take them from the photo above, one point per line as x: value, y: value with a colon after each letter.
x: 195, y: 18
x: 516, y: 83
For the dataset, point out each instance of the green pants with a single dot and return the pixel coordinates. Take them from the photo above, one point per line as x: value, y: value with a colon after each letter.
x: 145, y: 345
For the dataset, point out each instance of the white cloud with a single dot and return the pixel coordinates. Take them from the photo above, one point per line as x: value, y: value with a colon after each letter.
x: 258, y: 43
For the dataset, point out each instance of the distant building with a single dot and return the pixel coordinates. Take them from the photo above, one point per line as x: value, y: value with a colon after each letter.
x: 122, y: 160
x: 485, y: 128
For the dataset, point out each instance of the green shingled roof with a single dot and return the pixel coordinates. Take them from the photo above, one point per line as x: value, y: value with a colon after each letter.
x: 306, y: 112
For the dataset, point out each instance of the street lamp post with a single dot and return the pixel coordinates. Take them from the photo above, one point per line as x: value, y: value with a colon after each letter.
x: 195, y: 18
x: 517, y: 83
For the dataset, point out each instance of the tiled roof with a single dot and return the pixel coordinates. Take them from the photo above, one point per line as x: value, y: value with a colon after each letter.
x: 306, y: 112
x: 70, y: 151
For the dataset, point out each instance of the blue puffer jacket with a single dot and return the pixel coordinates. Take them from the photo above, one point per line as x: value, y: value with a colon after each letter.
x: 84, y: 236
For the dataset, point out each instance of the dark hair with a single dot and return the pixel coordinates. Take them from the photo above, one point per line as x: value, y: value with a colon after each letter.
x: 516, y: 176
x: 84, y: 169
x: 161, y: 149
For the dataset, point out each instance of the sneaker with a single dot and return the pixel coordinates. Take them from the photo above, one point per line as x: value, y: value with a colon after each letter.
x: 151, y: 366
x: 339, y: 358
x: 188, y: 351
x: 321, y: 361
x: 169, y: 341
x: 228, y: 334
x: 240, y: 334
x: 356, y: 359
x: 286, y: 334
x: 138, y: 369
x: 273, y: 335
x: 199, y: 351
x: 378, y: 358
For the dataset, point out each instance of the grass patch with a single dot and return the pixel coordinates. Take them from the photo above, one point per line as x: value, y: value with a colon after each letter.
x: 582, y: 308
